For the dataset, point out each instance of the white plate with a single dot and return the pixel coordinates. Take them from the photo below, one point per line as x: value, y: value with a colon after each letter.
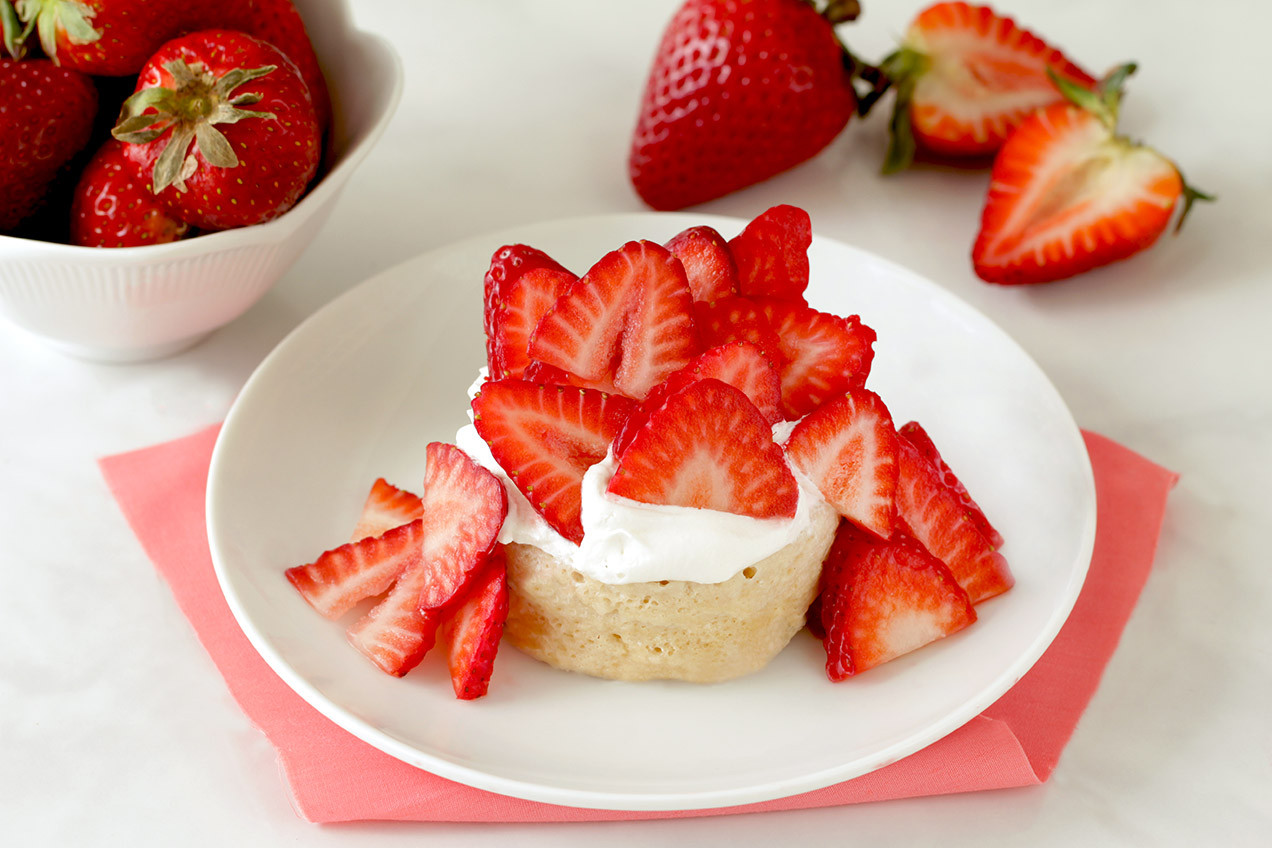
x: 360, y: 388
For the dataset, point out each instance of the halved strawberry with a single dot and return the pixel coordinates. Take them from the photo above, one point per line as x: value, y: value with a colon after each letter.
x: 506, y: 266
x: 709, y: 265
x: 545, y: 438
x: 965, y: 77
x: 739, y: 364
x: 914, y: 433
x: 848, y: 448
x: 880, y: 600
x: 737, y: 319
x: 824, y: 355
x: 472, y: 632
x: 708, y: 447
x: 934, y: 515
x: 523, y: 304
x: 334, y: 583
x: 772, y: 254
x: 629, y: 320
x: 386, y: 507
x: 1069, y: 194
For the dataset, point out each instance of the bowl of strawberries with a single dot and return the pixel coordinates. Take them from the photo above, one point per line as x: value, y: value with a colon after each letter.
x: 162, y: 164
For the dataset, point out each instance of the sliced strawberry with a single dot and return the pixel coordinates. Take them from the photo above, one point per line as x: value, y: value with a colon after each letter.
x: 914, y: 433
x: 708, y: 447
x: 709, y: 265
x: 737, y: 319
x: 472, y: 632
x: 848, y: 448
x: 506, y: 267
x: 545, y: 438
x: 334, y: 583
x: 629, y: 320
x: 738, y: 364
x: 396, y: 634
x: 824, y: 355
x: 934, y: 515
x: 524, y: 302
x: 386, y: 507
x: 772, y: 254
x: 883, y: 599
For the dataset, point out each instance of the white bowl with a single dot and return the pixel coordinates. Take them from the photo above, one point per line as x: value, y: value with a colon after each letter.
x: 135, y: 303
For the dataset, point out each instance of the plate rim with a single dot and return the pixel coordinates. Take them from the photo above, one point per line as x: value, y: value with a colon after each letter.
x: 632, y: 800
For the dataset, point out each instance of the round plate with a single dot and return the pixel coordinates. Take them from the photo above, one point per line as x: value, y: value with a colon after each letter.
x: 360, y: 388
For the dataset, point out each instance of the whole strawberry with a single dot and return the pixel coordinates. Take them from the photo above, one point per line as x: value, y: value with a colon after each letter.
x: 113, y: 207
x: 739, y: 92
x: 98, y: 37
x: 46, y: 115
x: 212, y: 162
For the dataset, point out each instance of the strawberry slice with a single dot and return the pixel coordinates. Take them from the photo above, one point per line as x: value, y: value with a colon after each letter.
x: 737, y: 319
x: 823, y: 355
x: 738, y: 364
x: 772, y: 254
x: 629, y: 320
x: 848, y: 448
x: 914, y: 433
x: 506, y: 266
x: 934, y: 514
x: 708, y: 447
x: 1069, y: 194
x: 880, y: 600
x: 524, y: 302
x: 545, y: 438
x: 966, y: 77
x: 472, y: 633
x: 334, y: 583
x: 386, y: 507
x: 396, y: 633
x: 709, y: 265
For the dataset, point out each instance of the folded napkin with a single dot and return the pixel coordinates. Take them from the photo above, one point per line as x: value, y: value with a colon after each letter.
x: 1016, y: 742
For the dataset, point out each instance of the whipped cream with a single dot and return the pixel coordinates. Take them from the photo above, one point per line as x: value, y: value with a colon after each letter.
x: 626, y: 541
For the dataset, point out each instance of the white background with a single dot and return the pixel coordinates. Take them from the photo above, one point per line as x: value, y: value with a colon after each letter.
x: 115, y: 727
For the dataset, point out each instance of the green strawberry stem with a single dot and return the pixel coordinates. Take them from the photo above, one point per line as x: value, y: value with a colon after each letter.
x: 191, y: 109
x: 837, y: 12
x: 15, y: 35
x: 901, y: 70
x: 47, y: 16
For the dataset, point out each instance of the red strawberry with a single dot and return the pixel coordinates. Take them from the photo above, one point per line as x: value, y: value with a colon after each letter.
x: 709, y: 265
x: 848, y: 448
x: 708, y: 447
x: 386, y: 507
x: 46, y: 116
x: 334, y: 583
x: 738, y: 92
x: 1068, y: 194
x: 545, y: 438
x: 914, y: 433
x: 772, y: 254
x: 737, y: 319
x: 506, y: 266
x: 965, y: 78
x: 823, y: 355
x: 472, y: 633
x: 629, y: 320
x: 194, y: 87
x: 883, y: 599
x: 99, y: 37
x: 934, y: 515
x: 738, y: 364
x: 396, y: 633
x: 524, y: 303
x: 112, y: 205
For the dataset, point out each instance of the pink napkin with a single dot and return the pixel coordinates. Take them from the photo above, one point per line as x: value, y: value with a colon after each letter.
x: 1016, y: 742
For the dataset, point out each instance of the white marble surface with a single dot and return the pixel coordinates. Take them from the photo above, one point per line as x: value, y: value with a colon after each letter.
x: 115, y: 727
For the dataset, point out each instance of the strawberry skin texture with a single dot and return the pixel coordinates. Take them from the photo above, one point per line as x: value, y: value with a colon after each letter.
x: 848, y: 448
x: 707, y: 447
x: 545, y: 437
x: 984, y: 75
x: 738, y: 92
x: 935, y: 516
x: 472, y: 633
x: 914, y: 433
x: 386, y: 507
x: 881, y: 600
x: 738, y: 319
x: 1066, y: 195
x: 121, y: 34
x: 823, y: 355
x: 709, y: 265
x: 46, y: 117
x: 772, y: 254
x: 112, y: 205
x: 335, y: 582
